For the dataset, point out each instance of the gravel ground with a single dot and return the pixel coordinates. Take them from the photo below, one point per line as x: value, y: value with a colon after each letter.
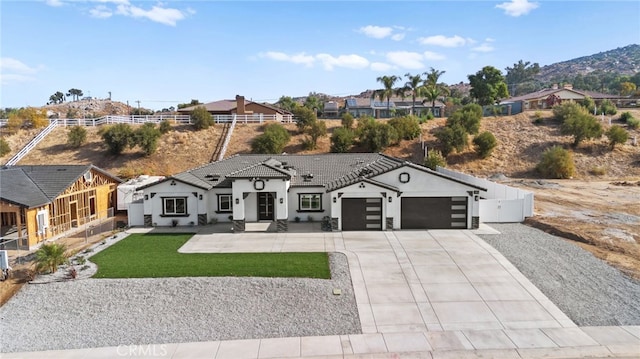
x: 587, y: 289
x: 108, y: 312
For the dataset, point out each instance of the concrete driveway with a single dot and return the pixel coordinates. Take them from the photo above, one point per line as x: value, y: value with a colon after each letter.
x: 420, y: 294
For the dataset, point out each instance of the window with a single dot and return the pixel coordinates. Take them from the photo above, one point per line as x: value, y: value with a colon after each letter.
x: 310, y: 202
x: 176, y: 206
x: 224, y: 203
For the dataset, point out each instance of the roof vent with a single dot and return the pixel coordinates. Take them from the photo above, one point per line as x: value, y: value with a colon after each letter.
x: 212, y: 177
x: 308, y: 177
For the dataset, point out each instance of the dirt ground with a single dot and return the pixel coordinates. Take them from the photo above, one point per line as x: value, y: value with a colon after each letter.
x: 590, y: 209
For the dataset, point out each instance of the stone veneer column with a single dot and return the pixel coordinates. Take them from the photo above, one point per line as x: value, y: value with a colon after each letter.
x: 202, y: 219
x: 238, y: 225
x: 148, y: 222
x: 334, y: 224
x: 282, y: 225
x: 389, y: 223
x: 475, y: 222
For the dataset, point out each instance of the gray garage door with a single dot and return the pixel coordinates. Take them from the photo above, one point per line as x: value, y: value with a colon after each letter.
x: 361, y: 214
x: 434, y: 212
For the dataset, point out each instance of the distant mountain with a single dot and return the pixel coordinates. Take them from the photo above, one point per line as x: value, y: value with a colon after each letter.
x: 623, y: 60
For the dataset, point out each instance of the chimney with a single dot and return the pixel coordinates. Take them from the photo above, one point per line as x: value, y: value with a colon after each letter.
x: 568, y: 86
x: 240, y: 105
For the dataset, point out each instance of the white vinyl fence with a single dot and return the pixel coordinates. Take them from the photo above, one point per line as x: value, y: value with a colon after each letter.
x: 502, y: 204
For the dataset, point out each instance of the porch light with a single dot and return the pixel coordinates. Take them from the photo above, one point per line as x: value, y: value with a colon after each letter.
x: 335, y: 200
x: 390, y: 199
x: 237, y: 200
x: 281, y: 201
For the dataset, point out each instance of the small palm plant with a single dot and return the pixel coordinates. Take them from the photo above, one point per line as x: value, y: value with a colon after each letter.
x: 50, y: 256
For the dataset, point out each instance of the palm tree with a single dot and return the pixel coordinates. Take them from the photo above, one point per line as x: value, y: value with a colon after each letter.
x: 432, y: 89
x: 387, y: 92
x: 413, y: 85
x: 50, y: 256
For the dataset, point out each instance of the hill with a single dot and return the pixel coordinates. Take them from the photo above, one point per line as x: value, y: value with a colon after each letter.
x: 90, y: 108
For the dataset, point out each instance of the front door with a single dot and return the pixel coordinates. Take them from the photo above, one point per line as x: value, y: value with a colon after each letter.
x: 265, y: 206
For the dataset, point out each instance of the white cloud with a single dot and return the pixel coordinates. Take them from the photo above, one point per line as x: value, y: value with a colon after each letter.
x: 13, y: 70
x: 441, y: 40
x: 406, y: 59
x: 54, y: 3
x: 158, y: 14
x: 300, y: 58
x: 101, y: 12
x: 484, y: 47
x: 348, y: 61
x: 428, y: 55
x: 376, y: 32
x: 380, y: 66
x: 516, y: 8
x: 397, y: 37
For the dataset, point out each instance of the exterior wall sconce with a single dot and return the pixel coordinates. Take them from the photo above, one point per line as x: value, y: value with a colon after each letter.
x: 335, y: 200
x: 200, y: 197
x: 390, y: 199
x: 281, y: 201
x: 146, y: 197
x: 237, y: 200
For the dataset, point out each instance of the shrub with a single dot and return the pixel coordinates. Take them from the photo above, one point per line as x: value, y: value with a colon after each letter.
x: 273, y: 140
x: 77, y: 136
x: 626, y: 116
x: 201, y: 118
x: 588, y: 103
x: 608, y: 108
x: 581, y: 126
x: 617, y: 135
x: 316, y: 130
x: 567, y: 109
x: 342, y: 140
x: 556, y: 162
x: 452, y: 137
x: 485, y: 143
x: 165, y: 126
x: 633, y: 123
x: 305, y: 117
x: 50, y: 256
x: 598, y: 171
x: 468, y: 117
x: 434, y: 159
x: 147, y: 138
x: 347, y: 120
x: 4, y: 147
x: 375, y: 136
x: 407, y: 127
x: 118, y: 138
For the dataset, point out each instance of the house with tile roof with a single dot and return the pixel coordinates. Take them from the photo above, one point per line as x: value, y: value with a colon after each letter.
x: 547, y: 98
x: 354, y: 191
x: 243, y: 108
x: 40, y: 202
x: 376, y: 108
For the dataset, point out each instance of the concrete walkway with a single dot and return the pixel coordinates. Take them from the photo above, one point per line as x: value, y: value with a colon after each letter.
x: 420, y: 294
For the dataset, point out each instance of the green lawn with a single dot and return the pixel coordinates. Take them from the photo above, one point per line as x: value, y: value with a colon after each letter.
x: 156, y: 255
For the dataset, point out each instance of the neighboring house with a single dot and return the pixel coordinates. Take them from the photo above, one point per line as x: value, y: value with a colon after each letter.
x: 397, y: 106
x: 41, y: 202
x: 331, y: 110
x: 547, y: 98
x: 243, y: 108
x: 356, y: 191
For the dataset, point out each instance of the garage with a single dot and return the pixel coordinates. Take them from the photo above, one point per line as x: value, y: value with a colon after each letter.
x: 433, y: 212
x: 361, y: 214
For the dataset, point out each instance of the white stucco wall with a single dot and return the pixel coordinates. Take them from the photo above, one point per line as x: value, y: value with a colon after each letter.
x: 368, y: 191
x: 247, y: 208
x: 294, y: 205
x: 153, y: 203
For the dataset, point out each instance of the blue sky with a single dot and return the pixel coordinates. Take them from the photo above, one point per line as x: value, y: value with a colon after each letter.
x: 165, y: 53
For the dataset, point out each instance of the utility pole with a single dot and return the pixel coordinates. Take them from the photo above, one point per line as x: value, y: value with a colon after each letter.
x: 138, y: 101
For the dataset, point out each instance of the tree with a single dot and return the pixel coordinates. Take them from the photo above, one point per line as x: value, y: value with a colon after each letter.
x: 617, y: 135
x: 582, y: 126
x: 49, y: 256
x: 485, y: 143
x: 375, y: 136
x: 453, y: 137
x: 273, y: 140
x: 147, y: 137
x: 77, y: 136
x: 627, y: 88
x: 27, y: 117
x: 608, y: 108
x: 488, y: 86
x: 287, y: 103
x: 315, y: 131
x: 434, y: 160
x: 556, y: 162
x: 201, y: 118
x: 387, y: 92
x: 566, y: 110
x: 4, y: 147
x: 305, y: 117
x: 432, y: 90
x: 57, y: 97
x: 589, y: 104
x: 520, y: 75
x: 315, y: 104
x: 118, y: 137
x: 413, y: 85
x: 75, y: 94
x: 342, y: 140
